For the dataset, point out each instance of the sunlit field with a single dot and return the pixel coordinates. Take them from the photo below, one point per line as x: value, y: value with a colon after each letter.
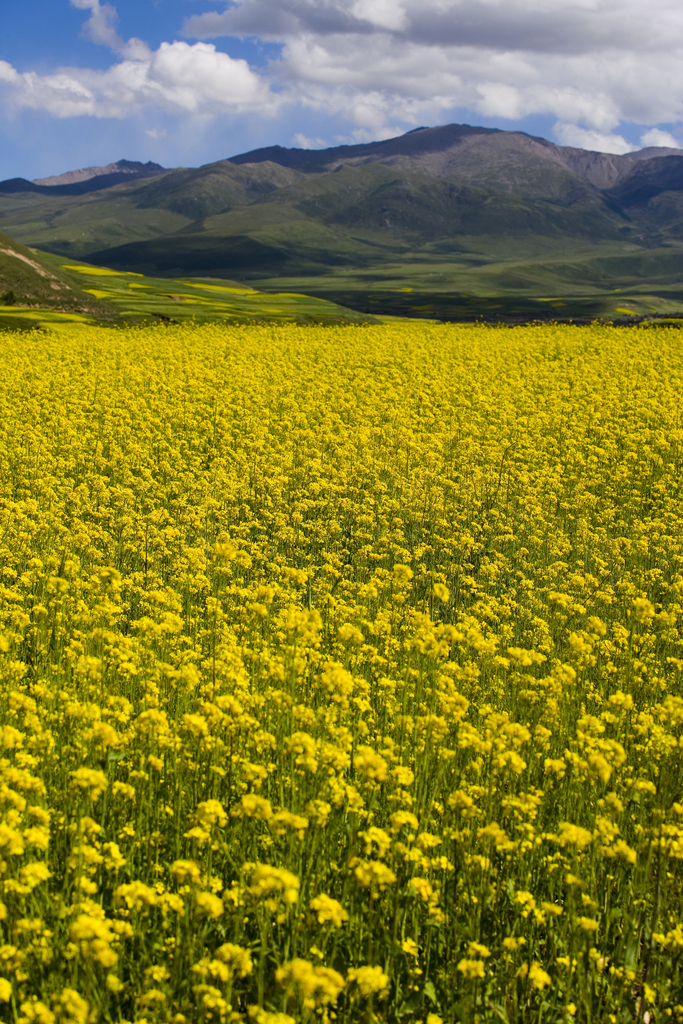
x: 341, y: 675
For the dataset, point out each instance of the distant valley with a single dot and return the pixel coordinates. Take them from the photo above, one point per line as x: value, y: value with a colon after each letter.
x: 455, y: 222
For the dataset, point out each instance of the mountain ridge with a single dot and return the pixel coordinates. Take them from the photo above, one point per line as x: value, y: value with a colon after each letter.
x: 451, y: 209
x: 80, y: 182
x: 131, y: 168
x: 601, y: 169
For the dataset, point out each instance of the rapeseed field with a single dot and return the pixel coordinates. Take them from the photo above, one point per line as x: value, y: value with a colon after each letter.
x: 341, y: 675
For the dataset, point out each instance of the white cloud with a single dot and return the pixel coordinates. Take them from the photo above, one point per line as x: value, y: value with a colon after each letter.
x: 377, y: 134
x: 177, y: 77
x: 61, y: 95
x: 586, y: 138
x: 8, y: 74
x: 591, y: 63
x: 543, y: 26
x: 302, y: 141
x: 99, y: 27
x: 385, y: 65
x: 383, y: 14
x: 657, y: 137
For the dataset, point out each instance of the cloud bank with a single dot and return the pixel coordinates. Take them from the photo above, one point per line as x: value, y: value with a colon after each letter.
x: 178, y: 77
x: 592, y: 64
x: 382, y: 66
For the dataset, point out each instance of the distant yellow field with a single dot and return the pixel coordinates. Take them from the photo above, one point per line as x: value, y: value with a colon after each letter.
x: 341, y: 675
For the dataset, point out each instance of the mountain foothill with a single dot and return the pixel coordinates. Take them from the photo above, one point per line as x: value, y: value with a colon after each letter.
x: 444, y: 220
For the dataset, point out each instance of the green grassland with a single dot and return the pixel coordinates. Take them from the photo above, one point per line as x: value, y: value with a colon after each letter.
x: 120, y: 299
x: 507, y: 237
x: 34, y: 288
x: 605, y: 281
x: 137, y: 296
x: 505, y: 290
x: 77, y: 226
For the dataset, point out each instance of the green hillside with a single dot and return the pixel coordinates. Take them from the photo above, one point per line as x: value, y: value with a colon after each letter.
x: 135, y: 211
x: 454, y: 222
x: 43, y: 290
x: 35, y: 286
x: 352, y: 215
x: 137, y: 298
x: 492, y: 278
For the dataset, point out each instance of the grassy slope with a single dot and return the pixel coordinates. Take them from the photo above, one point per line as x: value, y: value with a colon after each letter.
x: 361, y: 236
x: 34, y: 286
x: 77, y: 226
x: 117, y: 298
x: 519, y: 240
x: 602, y: 280
x: 363, y: 218
x: 210, y: 300
x: 72, y: 226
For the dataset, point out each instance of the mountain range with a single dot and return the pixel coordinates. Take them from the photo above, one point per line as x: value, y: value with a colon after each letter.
x: 454, y: 221
x: 88, y: 179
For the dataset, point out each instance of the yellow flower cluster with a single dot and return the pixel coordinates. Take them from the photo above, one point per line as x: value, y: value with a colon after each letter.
x: 341, y: 675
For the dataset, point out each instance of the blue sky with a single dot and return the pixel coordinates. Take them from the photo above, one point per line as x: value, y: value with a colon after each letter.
x: 185, y: 82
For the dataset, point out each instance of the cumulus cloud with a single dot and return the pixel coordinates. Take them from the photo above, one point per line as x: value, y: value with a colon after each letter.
x: 544, y: 26
x: 383, y: 14
x: 62, y: 94
x: 587, y: 138
x: 593, y: 64
x: 657, y: 137
x: 178, y: 77
x: 99, y: 28
x: 382, y: 66
x: 304, y: 142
